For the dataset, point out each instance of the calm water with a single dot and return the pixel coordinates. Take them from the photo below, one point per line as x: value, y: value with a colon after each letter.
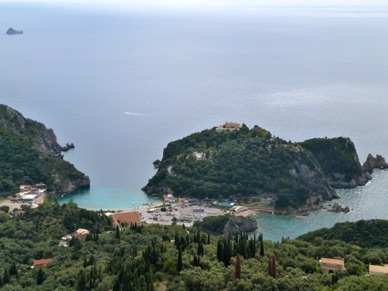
x: 122, y: 85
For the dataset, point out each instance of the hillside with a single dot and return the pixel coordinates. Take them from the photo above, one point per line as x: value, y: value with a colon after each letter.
x: 253, y: 163
x: 30, y: 153
x: 155, y: 257
x: 364, y: 233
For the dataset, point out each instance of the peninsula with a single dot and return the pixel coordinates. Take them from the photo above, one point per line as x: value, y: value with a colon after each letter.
x: 232, y: 161
x: 30, y: 154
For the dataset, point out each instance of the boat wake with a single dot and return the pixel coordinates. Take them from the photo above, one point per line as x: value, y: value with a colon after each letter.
x: 134, y: 113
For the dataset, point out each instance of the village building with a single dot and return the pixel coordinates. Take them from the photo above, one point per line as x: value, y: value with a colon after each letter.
x: 332, y: 265
x: 81, y: 233
x: 64, y: 242
x: 183, y: 200
x: 375, y: 270
x: 229, y: 126
x: 25, y: 188
x: 42, y: 262
x: 169, y: 198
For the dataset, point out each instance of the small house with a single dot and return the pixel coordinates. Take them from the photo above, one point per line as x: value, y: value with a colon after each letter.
x: 375, y: 270
x: 81, y: 233
x: 24, y: 188
x: 331, y: 265
x: 42, y: 262
x: 229, y: 126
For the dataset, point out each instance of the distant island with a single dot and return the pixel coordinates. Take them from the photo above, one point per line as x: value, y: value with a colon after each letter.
x: 232, y: 161
x: 30, y: 154
x: 11, y: 31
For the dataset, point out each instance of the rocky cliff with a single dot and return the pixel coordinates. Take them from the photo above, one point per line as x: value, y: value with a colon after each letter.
x: 372, y: 163
x: 31, y: 154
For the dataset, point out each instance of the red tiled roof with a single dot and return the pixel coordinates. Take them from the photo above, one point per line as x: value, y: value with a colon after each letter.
x: 42, y: 262
x: 115, y: 222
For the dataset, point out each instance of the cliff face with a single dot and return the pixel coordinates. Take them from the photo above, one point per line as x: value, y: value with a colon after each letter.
x: 32, y: 154
x: 252, y: 163
x: 339, y: 160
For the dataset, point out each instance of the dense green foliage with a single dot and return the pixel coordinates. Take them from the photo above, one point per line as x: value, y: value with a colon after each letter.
x: 214, y: 224
x: 18, y: 159
x: 335, y: 155
x: 22, y: 159
x: 179, y: 258
x: 251, y: 163
x: 364, y: 233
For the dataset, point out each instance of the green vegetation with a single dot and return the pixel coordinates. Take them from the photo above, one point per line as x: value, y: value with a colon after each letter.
x: 29, y: 154
x: 214, y: 224
x: 175, y: 257
x: 364, y: 233
x: 252, y: 163
x: 336, y: 155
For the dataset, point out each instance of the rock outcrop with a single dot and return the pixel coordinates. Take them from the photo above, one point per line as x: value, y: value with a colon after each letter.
x: 239, y: 224
x: 11, y: 31
x: 372, y: 163
x: 338, y: 208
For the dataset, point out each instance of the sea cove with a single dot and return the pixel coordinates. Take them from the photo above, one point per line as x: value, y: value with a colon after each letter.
x: 132, y: 82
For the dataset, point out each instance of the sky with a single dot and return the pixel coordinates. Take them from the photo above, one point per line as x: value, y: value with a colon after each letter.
x: 190, y: 3
x: 208, y: 6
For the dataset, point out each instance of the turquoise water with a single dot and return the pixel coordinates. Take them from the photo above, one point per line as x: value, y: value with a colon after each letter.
x: 366, y: 202
x: 224, y: 203
x: 120, y: 86
x: 111, y: 199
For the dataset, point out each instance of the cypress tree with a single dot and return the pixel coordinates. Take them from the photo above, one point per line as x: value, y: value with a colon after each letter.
x: 220, y: 251
x: 272, y: 267
x: 261, y: 245
x: 6, y: 276
x: 237, y: 268
x: 179, y: 263
x: 117, y: 232
x: 40, y: 276
x: 81, y: 282
x: 13, y: 270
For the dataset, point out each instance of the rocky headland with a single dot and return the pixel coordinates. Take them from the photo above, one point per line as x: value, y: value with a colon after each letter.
x: 243, y: 163
x: 12, y: 31
x: 31, y: 154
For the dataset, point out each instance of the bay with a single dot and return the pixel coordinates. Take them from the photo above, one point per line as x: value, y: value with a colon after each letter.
x: 123, y: 85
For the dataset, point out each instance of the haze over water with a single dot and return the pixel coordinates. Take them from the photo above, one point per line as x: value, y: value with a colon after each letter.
x: 123, y: 85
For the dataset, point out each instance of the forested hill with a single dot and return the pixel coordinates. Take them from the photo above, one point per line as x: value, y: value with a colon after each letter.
x: 30, y: 154
x: 364, y: 233
x: 254, y: 163
x: 171, y: 258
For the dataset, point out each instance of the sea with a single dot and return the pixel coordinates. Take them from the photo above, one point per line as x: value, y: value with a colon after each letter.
x: 122, y: 83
